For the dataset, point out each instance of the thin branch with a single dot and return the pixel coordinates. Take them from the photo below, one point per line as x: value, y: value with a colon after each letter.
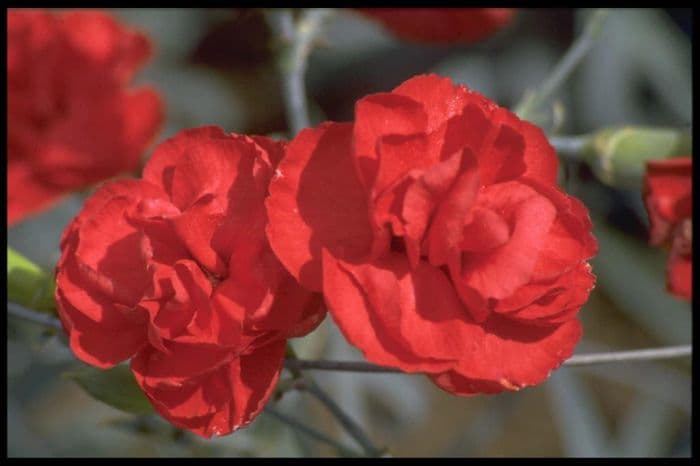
x: 577, y: 360
x: 348, y: 423
x: 532, y: 101
x: 297, y: 365
x: 296, y: 43
x: 313, y: 433
x: 17, y: 310
x: 342, y: 366
x: 634, y: 355
x: 306, y: 383
x: 569, y: 147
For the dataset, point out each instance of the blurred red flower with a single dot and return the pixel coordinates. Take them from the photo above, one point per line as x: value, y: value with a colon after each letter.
x: 71, y: 120
x: 668, y: 187
x: 441, y: 24
x: 175, y: 271
x: 434, y: 228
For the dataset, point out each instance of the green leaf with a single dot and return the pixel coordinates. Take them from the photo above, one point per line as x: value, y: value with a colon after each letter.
x: 115, y: 387
x: 28, y: 284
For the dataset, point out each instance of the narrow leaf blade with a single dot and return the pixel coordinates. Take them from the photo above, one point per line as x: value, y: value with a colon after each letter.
x: 115, y: 387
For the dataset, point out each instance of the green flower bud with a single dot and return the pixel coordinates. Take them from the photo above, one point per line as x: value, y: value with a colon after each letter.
x: 618, y: 156
x: 28, y: 284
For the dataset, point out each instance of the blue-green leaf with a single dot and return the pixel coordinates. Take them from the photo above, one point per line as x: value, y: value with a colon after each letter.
x: 115, y: 387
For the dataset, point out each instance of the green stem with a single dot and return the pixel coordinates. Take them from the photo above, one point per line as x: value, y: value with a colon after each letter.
x: 304, y: 429
x: 306, y: 383
x: 296, y: 43
x: 531, y: 103
x: 350, y: 426
x: 646, y: 354
x: 570, y: 147
x: 31, y: 315
x: 295, y: 365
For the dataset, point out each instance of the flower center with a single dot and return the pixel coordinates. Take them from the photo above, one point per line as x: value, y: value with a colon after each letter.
x: 213, y: 279
x: 398, y: 244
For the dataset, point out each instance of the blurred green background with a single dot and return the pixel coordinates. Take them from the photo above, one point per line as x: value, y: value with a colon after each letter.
x: 215, y: 66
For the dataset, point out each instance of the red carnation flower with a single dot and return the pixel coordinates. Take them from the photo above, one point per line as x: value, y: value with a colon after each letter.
x: 175, y: 271
x: 441, y: 24
x: 668, y: 187
x: 434, y: 227
x: 71, y: 120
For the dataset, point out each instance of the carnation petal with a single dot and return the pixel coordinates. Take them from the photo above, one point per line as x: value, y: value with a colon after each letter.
x: 182, y: 362
x: 316, y: 201
x: 680, y: 272
x: 377, y: 116
x: 87, y: 335
x: 441, y: 100
x: 158, y: 170
x: 364, y: 302
x: 512, y: 355
x: 498, y: 272
x: 540, y: 157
